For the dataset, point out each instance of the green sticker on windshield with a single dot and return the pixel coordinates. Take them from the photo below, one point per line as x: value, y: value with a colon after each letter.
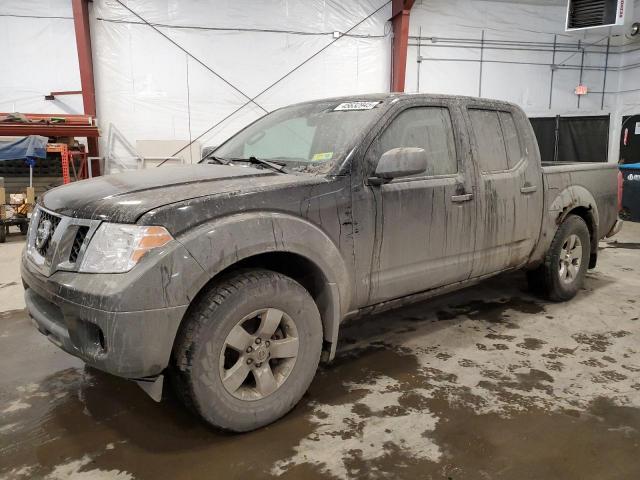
x: 322, y: 156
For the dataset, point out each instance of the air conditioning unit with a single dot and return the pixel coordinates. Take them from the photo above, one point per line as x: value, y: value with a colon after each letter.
x: 591, y: 14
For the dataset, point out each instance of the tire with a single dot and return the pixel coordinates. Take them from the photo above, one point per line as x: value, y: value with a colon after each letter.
x: 24, y: 228
x: 3, y: 233
x: 565, y: 265
x: 214, y: 342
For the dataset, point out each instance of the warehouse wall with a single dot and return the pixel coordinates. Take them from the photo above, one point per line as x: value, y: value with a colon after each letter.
x: 151, y: 89
x: 38, y: 56
x: 517, y: 54
x: 165, y: 83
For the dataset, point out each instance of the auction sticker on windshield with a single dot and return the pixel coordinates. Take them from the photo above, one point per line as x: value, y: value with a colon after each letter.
x: 355, y: 106
x: 322, y: 156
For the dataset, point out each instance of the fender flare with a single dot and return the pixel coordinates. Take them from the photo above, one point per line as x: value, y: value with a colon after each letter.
x: 572, y: 197
x: 223, y: 242
x: 564, y: 202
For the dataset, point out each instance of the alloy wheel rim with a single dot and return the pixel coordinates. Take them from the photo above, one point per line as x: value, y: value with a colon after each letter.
x: 259, y: 354
x: 570, y: 259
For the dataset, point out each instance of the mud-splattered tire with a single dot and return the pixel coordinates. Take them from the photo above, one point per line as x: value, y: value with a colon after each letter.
x: 565, y: 265
x: 247, y: 325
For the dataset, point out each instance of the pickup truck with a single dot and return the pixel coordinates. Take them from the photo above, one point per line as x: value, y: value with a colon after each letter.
x: 233, y: 276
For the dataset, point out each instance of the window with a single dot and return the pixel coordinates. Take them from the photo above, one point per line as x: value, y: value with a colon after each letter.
x: 491, y: 152
x: 545, y: 131
x: 511, y: 140
x: 429, y: 128
x: 310, y: 137
x: 293, y: 132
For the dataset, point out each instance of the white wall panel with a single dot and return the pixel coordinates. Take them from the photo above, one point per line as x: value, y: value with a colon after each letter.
x: 150, y: 89
x: 38, y: 56
x: 142, y: 84
x: 511, y: 72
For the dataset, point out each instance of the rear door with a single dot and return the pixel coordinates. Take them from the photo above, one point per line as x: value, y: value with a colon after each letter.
x: 423, y: 225
x: 509, y: 187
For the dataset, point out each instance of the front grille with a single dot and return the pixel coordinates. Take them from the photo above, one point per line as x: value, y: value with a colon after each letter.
x: 43, y: 247
x: 77, y: 243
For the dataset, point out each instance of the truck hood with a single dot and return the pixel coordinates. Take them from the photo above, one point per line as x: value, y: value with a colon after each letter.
x: 124, y: 197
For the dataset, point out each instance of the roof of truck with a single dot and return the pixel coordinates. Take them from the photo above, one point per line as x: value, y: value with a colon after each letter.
x: 384, y: 97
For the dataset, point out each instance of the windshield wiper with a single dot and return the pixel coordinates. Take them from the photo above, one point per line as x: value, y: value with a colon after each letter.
x: 276, y: 166
x: 221, y: 161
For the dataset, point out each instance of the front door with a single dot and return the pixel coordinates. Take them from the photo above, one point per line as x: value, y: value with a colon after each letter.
x: 423, y: 226
x: 510, y: 190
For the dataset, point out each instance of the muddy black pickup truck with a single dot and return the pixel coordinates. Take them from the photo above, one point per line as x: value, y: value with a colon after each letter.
x: 233, y: 276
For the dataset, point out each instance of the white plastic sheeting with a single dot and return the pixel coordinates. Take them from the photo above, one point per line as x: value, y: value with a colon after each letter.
x: 38, y: 47
x: 152, y: 89
x: 517, y: 56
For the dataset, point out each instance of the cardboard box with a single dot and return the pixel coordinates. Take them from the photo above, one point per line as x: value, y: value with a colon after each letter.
x: 9, y: 212
x: 31, y: 195
x: 17, y: 198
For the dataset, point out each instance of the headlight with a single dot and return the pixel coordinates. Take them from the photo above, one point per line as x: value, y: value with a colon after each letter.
x: 117, y: 248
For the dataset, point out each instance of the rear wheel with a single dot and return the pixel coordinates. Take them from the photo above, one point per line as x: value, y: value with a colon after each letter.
x: 566, y: 262
x: 3, y: 233
x: 248, y: 350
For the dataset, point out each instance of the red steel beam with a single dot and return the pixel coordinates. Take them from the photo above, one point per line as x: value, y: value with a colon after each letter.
x: 400, y: 11
x: 85, y: 63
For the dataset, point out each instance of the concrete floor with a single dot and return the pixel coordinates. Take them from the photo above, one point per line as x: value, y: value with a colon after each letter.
x: 488, y: 383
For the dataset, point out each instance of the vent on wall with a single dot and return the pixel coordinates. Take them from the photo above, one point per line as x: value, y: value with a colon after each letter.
x: 586, y: 14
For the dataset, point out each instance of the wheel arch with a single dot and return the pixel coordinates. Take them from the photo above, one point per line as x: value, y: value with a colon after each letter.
x: 572, y: 200
x: 282, y: 243
x: 577, y: 200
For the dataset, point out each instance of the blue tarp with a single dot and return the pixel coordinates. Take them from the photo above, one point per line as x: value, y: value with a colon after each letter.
x: 27, y: 148
x: 630, y: 166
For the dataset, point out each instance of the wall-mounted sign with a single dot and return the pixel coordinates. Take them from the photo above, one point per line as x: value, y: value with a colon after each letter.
x: 581, y: 90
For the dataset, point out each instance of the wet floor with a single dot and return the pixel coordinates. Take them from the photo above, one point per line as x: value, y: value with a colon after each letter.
x: 489, y: 383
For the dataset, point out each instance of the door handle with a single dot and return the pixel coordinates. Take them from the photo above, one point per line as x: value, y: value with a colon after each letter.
x: 529, y: 189
x: 462, y: 198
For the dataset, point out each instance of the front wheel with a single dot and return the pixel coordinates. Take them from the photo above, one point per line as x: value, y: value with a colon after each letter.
x: 566, y: 262
x: 248, y: 351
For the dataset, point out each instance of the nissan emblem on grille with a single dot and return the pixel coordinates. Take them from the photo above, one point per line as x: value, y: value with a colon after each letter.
x: 43, y: 234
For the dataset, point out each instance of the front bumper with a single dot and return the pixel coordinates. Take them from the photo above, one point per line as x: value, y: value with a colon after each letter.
x: 109, y: 320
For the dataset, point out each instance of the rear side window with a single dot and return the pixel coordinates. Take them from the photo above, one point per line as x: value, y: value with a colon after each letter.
x: 491, y: 151
x: 429, y: 128
x: 511, y: 140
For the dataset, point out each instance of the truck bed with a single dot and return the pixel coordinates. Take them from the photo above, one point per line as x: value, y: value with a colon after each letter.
x: 597, y: 179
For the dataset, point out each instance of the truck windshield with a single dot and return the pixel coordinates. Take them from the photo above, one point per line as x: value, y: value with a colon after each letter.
x: 311, y: 137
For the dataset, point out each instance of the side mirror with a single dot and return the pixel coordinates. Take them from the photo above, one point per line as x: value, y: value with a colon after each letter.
x: 207, y: 150
x: 401, y: 162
